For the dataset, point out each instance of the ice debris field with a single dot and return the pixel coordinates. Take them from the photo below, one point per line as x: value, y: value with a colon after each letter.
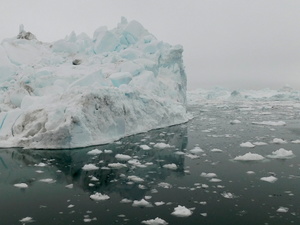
x: 82, y: 91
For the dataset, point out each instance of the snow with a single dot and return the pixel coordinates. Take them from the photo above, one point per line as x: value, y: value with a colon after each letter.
x: 99, y: 197
x: 21, y: 185
x: 181, y: 211
x: 89, y: 167
x: 247, y: 145
x: 282, y: 154
x: 156, y: 221
x: 249, y: 157
x: 82, y: 91
x: 270, y: 179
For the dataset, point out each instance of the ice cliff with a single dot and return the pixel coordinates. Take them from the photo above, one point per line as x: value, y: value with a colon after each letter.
x: 82, y: 91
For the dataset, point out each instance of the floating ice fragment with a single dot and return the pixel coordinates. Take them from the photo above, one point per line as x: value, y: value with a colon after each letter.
x: 89, y: 167
x: 71, y: 206
x: 216, y: 150
x: 234, y: 122
x: 26, y: 220
x: 21, y: 185
x: 270, y: 179
x: 125, y: 200
x: 164, y: 185
x: 159, y: 203
x: 196, y: 150
x: 48, y: 180
x: 162, y: 145
x: 208, y: 175
x: 228, y: 195
x: 270, y: 123
x: 250, y: 172
x: 249, y: 157
x: 135, y: 179
x: 117, y: 165
x: 203, y: 214
x: 181, y: 211
x: 296, y: 141
x: 279, y: 141
x: 247, y: 145
x: 41, y: 164
x: 215, y: 180
x: 145, y: 147
x: 108, y: 151
x: 192, y: 156
x: 141, y: 203
x: 259, y: 143
x: 99, y: 197
x: 171, y: 166
x: 122, y: 157
x: 156, y: 221
x: 94, y: 152
x: 69, y: 186
x: 282, y: 154
x: 282, y: 209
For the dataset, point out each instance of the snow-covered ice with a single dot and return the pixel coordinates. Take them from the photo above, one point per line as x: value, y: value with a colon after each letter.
x: 170, y: 166
x: 81, y: 91
x: 26, y: 220
x: 249, y: 157
x: 182, y: 211
x: 247, y: 145
x: 196, y: 150
x: 282, y: 209
x: 94, y: 152
x: 141, y: 203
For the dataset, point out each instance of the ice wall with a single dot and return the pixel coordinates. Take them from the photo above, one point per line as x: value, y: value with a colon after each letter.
x: 82, y: 91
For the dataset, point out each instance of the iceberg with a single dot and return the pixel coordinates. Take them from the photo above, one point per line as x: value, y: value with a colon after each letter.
x: 82, y: 91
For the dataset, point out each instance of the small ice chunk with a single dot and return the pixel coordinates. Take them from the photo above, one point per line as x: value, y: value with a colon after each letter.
x: 117, y: 165
x: 215, y: 180
x: 216, y: 150
x: 279, y: 141
x: 69, y: 186
x: 99, y: 197
x: 135, y: 179
x: 282, y: 209
x: 26, y: 220
x: 162, y: 145
x: 270, y: 123
x: 89, y: 167
x: 208, y: 175
x: 94, y: 152
x: 156, y: 221
x: 270, y: 179
x: 247, y: 145
x: 41, y: 164
x: 249, y: 157
x: 196, y: 150
x: 203, y: 214
x: 122, y: 157
x: 259, y: 143
x: 159, y: 203
x: 296, y: 141
x: 228, y: 195
x: 192, y: 156
x: 145, y: 147
x: 171, y: 166
x: 164, y: 185
x: 71, y: 206
x: 21, y: 185
x: 282, y: 154
x: 141, y: 203
x: 250, y: 172
x: 125, y: 200
x: 108, y: 151
x: 234, y: 122
x: 181, y: 211
x: 48, y: 180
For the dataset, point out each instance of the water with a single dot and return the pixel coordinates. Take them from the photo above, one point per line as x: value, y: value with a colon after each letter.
x: 253, y: 201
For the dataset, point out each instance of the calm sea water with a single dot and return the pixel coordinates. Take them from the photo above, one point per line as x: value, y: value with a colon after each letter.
x: 233, y: 197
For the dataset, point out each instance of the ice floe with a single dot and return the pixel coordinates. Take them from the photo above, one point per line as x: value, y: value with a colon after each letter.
x: 156, y: 221
x: 21, y: 185
x: 247, y: 145
x: 171, y: 166
x: 94, y: 152
x: 89, y: 167
x: 141, y: 203
x: 270, y: 123
x: 282, y: 154
x: 181, y: 211
x: 99, y: 197
x: 249, y: 157
x: 270, y: 179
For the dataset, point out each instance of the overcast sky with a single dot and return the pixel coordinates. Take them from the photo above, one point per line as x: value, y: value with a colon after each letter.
x: 237, y: 44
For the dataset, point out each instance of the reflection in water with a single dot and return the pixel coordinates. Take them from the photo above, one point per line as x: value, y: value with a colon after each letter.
x: 65, y: 166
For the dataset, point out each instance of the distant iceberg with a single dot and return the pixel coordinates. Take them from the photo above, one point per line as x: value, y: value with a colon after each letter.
x: 82, y: 91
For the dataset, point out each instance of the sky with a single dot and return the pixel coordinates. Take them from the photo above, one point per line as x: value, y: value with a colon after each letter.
x: 236, y: 44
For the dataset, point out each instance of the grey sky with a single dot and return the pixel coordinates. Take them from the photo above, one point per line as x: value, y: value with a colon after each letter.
x: 238, y: 44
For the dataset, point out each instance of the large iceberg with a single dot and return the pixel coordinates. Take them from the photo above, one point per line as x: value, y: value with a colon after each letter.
x: 82, y: 91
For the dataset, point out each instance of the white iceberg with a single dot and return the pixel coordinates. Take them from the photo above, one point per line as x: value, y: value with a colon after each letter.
x: 156, y: 221
x: 99, y: 197
x: 282, y: 154
x: 270, y: 179
x: 141, y: 203
x: 247, y: 145
x: 181, y: 211
x: 82, y: 91
x: 21, y: 185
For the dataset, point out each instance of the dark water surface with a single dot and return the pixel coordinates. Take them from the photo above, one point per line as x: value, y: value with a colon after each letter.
x: 251, y: 200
